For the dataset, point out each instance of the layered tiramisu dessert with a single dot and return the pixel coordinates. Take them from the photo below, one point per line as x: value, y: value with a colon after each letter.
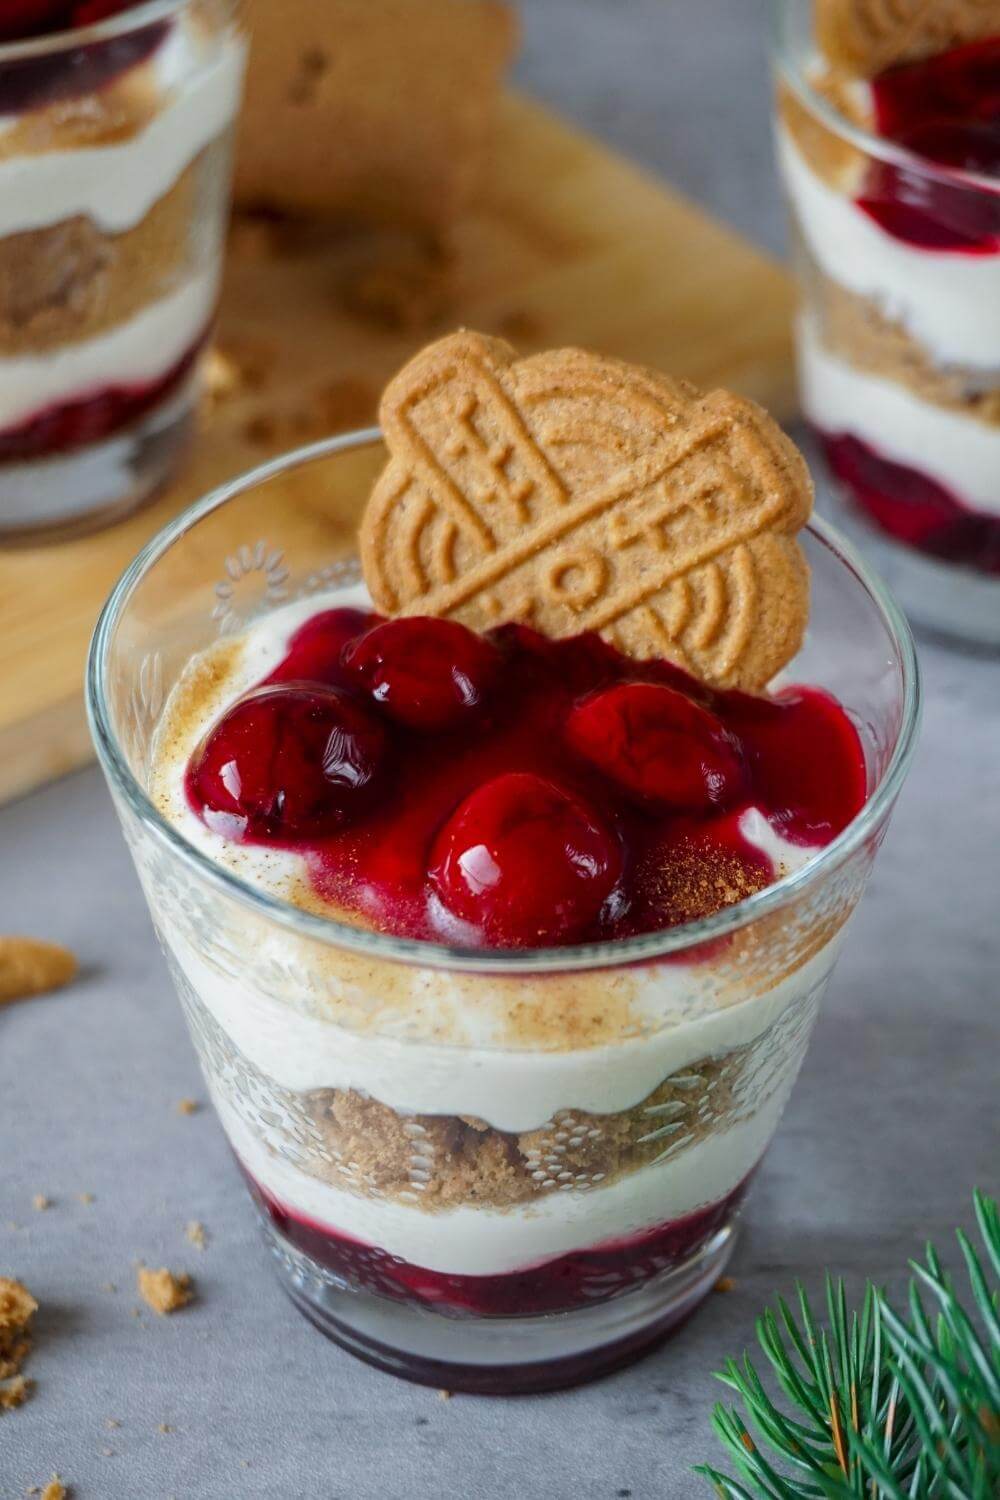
x: 115, y: 125
x: 532, y: 744
x: 889, y: 141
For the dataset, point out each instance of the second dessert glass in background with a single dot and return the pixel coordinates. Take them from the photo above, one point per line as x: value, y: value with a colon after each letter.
x: 482, y: 1169
x: 115, y: 145
x: 898, y: 259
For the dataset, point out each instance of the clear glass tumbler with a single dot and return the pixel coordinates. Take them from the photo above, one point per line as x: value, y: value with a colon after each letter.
x: 114, y: 182
x: 537, y: 1202
x: 898, y: 261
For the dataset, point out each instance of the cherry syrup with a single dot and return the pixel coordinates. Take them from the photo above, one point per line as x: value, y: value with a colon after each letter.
x: 68, y: 71
x: 569, y: 1282
x: 513, y: 791
x: 945, y: 109
x: 913, y: 508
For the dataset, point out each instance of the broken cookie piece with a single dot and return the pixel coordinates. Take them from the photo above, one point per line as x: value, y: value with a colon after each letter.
x: 30, y: 967
x: 17, y: 1308
x: 164, y: 1291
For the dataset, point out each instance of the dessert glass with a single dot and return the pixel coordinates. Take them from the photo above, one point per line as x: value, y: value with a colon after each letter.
x: 485, y: 1170
x: 114, y: 180
x: 898, y: 340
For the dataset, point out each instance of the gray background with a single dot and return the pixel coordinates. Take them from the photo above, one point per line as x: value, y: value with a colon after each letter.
x: 889, y: 1128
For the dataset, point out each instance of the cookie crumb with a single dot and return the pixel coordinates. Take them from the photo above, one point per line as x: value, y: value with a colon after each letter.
x: 112, y: 1422
x: 40, y: 1202
x: 725, y: 1284
x: 195, y: 1232
x: 17, y: 1308
x: 164, y: 1291
x: 14, y: 1392
x: 164, y: 1427
x: 29, y: 967
x: 85, y: 1197
x: 444, y: 1395
x: 188, y: 1106
x: 55, y: 1489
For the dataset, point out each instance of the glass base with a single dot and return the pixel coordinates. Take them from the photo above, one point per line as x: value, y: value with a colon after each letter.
x: 943, y: 597
x: 69, y: 494
x: 499, y: 1356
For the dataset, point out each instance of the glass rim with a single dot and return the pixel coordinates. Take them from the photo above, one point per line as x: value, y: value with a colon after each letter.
x: 867, y: 141
x: 582, y: 956
x: 134, y: 19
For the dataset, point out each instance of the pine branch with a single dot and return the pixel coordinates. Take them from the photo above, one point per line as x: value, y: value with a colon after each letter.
x: 881, y: 1406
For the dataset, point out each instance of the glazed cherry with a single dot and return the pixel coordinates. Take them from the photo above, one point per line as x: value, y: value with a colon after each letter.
x: 315, y: 650
x: 806, y: 761
x: 26, y: 18
x: 657, y: 746
x: 286, y: 761
x: 426, y: 673
x: 525, y: 862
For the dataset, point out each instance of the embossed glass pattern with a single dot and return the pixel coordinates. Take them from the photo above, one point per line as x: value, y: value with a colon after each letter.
x: 482, y: 1169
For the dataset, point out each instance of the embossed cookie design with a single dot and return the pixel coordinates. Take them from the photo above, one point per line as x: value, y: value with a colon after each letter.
x: 866, y: 36
x: 576, y: 493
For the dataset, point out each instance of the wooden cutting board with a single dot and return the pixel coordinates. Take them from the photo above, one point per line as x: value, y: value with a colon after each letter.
x: 570, y: 244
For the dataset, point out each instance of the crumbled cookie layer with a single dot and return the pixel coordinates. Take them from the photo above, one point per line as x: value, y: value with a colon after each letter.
x: 442, y: 1161
x: 858, y: 332
x: 71, y: 281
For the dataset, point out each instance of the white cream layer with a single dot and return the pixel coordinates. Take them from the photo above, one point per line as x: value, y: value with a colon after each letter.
x: 117, y: 185
x: 135, y: 352
x: 490, y: 1241
x: 947, y: 301
x: 960, y: 452
x: 282, y: 1031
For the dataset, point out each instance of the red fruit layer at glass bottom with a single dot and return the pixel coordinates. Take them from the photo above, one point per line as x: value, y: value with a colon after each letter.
x: 92, y: 418
x: 913, y: 508
x: 945, y: 109
x: 508, y: 829
x: 580, y: 1279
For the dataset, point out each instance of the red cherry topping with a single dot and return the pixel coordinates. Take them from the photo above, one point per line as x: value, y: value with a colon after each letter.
x: 315, y: 650
x: 426, y: 673
x: 657, y: 746
x: 286, y: 761
x: 806, y: 761
x: 525, y: 862
x: 24, y: 18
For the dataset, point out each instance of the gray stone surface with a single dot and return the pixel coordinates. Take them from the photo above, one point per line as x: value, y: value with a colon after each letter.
x: 892, y: 1122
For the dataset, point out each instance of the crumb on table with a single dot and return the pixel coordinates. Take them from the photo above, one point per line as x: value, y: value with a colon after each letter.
x: 17, y: 1308
x: 164, y: 1290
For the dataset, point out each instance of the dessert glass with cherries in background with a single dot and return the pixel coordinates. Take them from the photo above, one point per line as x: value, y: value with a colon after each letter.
x: 500, y: 953
x: 893, y: 180
x: 115, y: 129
